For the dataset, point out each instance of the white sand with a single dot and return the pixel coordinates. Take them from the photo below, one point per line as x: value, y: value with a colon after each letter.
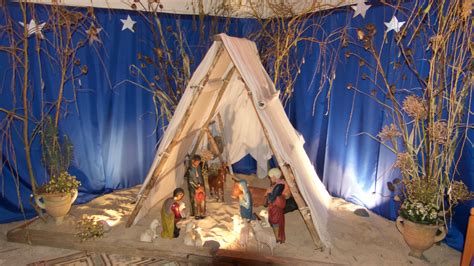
x: 357, y: 240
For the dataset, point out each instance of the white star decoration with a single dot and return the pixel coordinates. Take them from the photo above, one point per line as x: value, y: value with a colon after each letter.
x: 360, y: 8
x: 93, y: 34
x: 393, y: 24
x: 34, y: 28
x: 128, y: 23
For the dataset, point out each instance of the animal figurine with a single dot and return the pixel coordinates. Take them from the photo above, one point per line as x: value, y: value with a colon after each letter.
x: 150, y: 233
x: 153, y: 226
x: 197, y: 237
x: 244, y: 234
x: 188, y: 234
x: 263, y: 214
x: 216, y: 182
x: 200, y: 201
x: 192, y: 235
x: 263, y: 236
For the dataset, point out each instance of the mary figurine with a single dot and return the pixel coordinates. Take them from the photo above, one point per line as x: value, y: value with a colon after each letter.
x: 245, y: 201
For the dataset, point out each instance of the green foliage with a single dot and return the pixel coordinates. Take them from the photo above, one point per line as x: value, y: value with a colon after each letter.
x: 64, y: 183
x: 57, y: 153
x: 88, y: 228
x: 57, y: 156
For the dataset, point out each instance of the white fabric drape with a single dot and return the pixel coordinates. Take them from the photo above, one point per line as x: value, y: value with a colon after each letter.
x: 242, y: 128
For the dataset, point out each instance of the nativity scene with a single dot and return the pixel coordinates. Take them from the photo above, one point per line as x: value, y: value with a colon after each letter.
x: 220, y: 79
x: 236, y: 132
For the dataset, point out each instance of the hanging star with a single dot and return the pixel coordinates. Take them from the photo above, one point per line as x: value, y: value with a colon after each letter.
x: 128, y: 23
x: 393, y: 24
x: 360, y: 8
x: 34, y: 28
x: 93, y: 34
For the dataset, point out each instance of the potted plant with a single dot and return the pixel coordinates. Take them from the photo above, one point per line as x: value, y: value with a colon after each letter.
x: 58, y: 194
x: 425, y: 141
x: 428, y: 113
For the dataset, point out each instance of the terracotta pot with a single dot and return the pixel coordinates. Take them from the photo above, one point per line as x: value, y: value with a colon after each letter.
x: 420, y: 237
x: 57, y: 205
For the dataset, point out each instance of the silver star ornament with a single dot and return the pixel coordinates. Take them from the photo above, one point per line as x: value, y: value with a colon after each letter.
x: 34, y: 28
x: 128, y: 24
x: 360, y: 8
x: 393, y: 24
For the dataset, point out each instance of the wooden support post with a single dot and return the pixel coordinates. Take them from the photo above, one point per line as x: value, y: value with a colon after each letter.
x: 213, y: 143
x: 303, y: 207
x: 290, y: 179
x: 214, y: 109
x: 224, y: 143
x: 176, y: 137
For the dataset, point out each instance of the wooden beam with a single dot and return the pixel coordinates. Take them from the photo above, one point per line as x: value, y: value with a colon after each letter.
x: 226, y: 81
x: 289, y: 177
x: 174, y: 251
x: 122, y: 246
x: 174, y: 142
x: 237, y: 257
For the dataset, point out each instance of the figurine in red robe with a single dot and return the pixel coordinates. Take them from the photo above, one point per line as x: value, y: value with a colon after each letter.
x: 171, y: 215
x: 276, y: 205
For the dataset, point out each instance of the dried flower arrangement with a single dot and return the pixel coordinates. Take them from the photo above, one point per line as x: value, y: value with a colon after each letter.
x: 429, y: 125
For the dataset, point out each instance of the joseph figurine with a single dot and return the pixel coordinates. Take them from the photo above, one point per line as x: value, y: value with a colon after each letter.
x: 195, y: 180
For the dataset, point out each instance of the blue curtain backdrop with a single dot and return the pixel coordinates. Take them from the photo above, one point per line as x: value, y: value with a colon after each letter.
x: 115, y: 132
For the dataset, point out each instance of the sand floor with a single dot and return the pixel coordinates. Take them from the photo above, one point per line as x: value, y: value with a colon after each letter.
x: 357, y: 240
